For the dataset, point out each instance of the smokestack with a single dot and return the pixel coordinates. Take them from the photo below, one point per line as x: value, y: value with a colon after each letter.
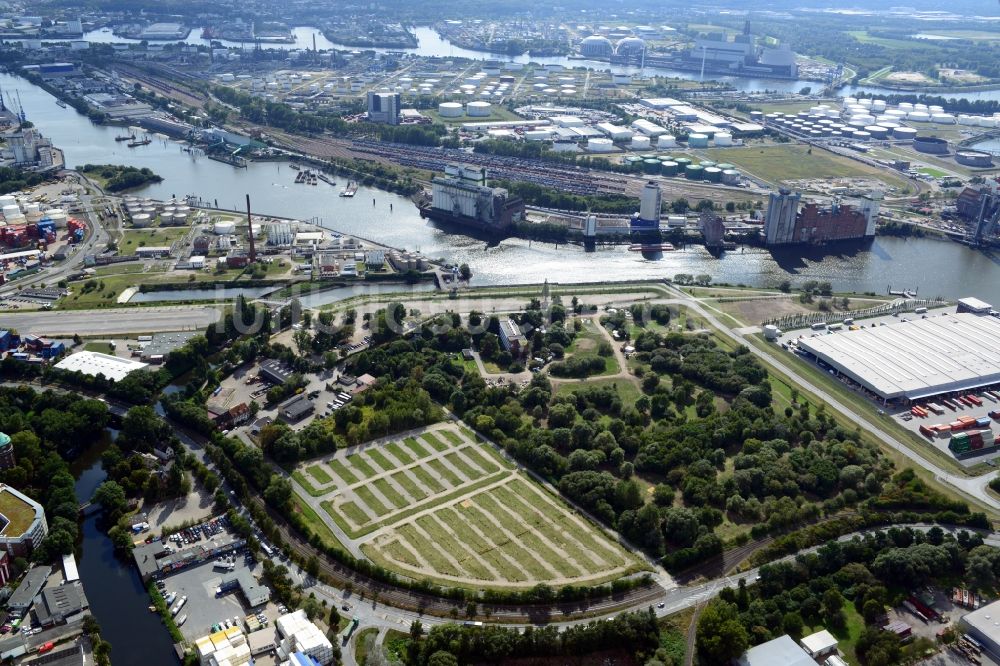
x: 314, y: 42
x: 253, y: 251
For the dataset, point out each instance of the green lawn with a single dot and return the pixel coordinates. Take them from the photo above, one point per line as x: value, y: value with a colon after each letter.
x: 444, y: 473
x: 341, y: 470
x: 398, y: 453
x: 309, y: 487
x: 932, y: 172
x: 459, y: 463
x: 390, y: 493
x: 379, y: 459
x: 354, y: 512
x: 428, y: 481
x: 436, y: 443
x: 319, y: 474
x: 133, y: 239
x: 403, y: 480
x: 627, y: 390
x: 359, y: 463
x: 452, y: 437
x: 777, y: 163
x: 373, y: 503
x: 102, y: 347
x: 315, y: 523
x: 479, y: 460
x: 415, y: 448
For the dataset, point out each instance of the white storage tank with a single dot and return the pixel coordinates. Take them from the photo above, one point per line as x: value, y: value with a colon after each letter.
x: 943, y: 118
x: 666, y: 141
x: 905, y: 106
x: 224, y: 228
x: 862, y: 135
x: 906, y: 133
x: 57, y: 215
x: 450, y: 110
x: 141, y: 221
x: 478, y: 109
x: 640, y: 142
x: 723, y: 139
x: 7, y: 200
x: 919, y: 116
x: 878, y: 105
x: 877, y: 131
x: 602, y: 145
x: 771, y: 332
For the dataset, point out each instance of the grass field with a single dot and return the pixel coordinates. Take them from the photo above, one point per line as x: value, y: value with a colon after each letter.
x: 627, y: 391
x: 442, y: 506
x: 777, y: 163
x: 136, y: 238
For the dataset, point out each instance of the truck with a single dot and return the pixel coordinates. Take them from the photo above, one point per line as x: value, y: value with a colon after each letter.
x: 178, y: 606
x: 42, y: 649
x: 224, y: 566
x: 345, y: 635
x: 920, y: 310
x: 819, y: 326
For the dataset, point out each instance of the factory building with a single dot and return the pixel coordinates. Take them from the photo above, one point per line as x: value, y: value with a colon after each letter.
x: 383, y: 107
x: 715, y: 53
x: 917, y: 359
x: 982, y: 207
x: 300, y: 635
x: 463, y: 197
x: 785, y: 224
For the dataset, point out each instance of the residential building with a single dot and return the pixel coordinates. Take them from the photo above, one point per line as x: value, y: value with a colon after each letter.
x: 22, y: 522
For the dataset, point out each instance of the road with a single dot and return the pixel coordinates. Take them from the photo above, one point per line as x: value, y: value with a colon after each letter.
x: 111, y: 322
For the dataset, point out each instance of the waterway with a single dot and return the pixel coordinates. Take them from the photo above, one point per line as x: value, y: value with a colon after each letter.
x: 430, y: 43
x: 934, y: 267
x: 117, y: 597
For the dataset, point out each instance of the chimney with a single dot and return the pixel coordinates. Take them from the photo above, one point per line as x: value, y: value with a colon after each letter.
x: 253, y: 251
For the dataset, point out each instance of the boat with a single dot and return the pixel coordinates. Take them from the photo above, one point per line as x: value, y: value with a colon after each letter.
x: 182, y: 619
x: 295, y: 166
x: 126, y: 137
x: 651, y: 247
x: 152, y: 608
x: 325, y: 179
x: 61, y: 103
x: 350, y: 190
x: 144, y: 142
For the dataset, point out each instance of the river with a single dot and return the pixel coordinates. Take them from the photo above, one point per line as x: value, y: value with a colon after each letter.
x: 955, y: 270
x: 117, y: 597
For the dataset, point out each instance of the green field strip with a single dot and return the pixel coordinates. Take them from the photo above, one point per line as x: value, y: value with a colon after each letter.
x: 319, y: 474
x: 395, y: 550
x: 443, y: 539
x: 372, y: 502
x: 415, y: 448
x: 390, y: 493
x: 304, y: 482
x: 430, y: 552
x: 354, y: 513
x: 527, y: 539
x: 493, y: 454
x: 425, y: 477
x: 435, y: 443
x: 379, y: 459
x: 472, y: 437
x: 528, y: 562
x: 453, y: 437
x: 439, y: 500
x: 479, y: 460
x: 398, y: 453
x: 591, y: 538
x: 445, y: 473
x: 552, y: 532
x: 402, y: 479
x: 488, y: 552
x: 360, y: 464
x: 462, y: 466
x: 340, y: 469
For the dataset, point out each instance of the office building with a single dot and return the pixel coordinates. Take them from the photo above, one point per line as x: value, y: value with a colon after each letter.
x: 22, y: 522
x: 383, y: 107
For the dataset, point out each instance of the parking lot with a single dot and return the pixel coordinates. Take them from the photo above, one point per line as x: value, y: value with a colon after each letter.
x: 203, y: 608
x: 197, y: 505
x: 951, y: 413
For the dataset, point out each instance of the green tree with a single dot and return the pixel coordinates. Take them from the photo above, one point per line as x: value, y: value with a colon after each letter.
x: 721, y: 636
x: 111, y: 496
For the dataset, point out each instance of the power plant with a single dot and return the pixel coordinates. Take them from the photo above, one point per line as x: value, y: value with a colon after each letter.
x: 786, y: 224
x: 741, y: 57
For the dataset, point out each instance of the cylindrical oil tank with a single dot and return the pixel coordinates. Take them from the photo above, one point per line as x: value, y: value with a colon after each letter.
x: 450, y: 110
x: 713, y: 174
x: 694, y: 172
x: 141, y: 220
x: 640, y: 142
x: 730, y: 177
x: 933, y: 145
x: 697, y: 140
x: 668, y: 168
x: 478, y: 109
x: 877, y: 132
x: 723, y: 139
x: 651, y: 166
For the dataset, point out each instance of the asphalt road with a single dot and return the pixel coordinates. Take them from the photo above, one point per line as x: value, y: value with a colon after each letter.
x: 110, y: 322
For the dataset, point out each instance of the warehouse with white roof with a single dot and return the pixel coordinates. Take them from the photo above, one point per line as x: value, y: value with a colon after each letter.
x: 90, y: 363
x: 912, y: 360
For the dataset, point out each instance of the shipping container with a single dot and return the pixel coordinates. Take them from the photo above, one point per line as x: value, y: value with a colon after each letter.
x: 819, y: 326
x: 937, y: 409
x: 920, y: 310
x: 926, y: 432
x: 974, y: 399
x: 995, y: 415
x: 983, y: 422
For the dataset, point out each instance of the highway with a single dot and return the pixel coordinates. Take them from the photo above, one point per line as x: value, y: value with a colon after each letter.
x: 64, y: 323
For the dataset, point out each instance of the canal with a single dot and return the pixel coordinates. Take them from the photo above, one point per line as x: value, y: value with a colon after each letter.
x: 934, y: 268
x: 117, y: 597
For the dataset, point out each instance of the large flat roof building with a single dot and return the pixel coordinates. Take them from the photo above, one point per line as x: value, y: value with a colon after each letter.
x: 782, y: 650
x: 96, y: 363
x: 915, y: 359
x: 984, y: 626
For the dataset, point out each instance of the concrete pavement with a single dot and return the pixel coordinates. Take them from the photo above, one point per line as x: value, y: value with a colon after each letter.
x: 111, y: 322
